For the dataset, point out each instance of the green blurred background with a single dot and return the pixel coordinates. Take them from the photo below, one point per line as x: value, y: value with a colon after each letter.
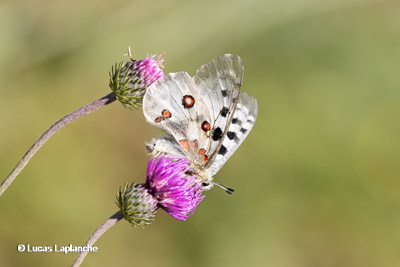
x: 317, y: 180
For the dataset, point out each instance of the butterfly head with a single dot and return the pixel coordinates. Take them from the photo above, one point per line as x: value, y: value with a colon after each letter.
x: 207, y: 180
x: 209, y: 185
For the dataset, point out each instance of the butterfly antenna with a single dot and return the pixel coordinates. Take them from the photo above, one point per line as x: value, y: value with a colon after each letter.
x: 227, y: 189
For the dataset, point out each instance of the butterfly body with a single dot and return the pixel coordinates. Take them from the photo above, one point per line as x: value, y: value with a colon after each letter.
x: 205, y: 116
x: 168, y: 146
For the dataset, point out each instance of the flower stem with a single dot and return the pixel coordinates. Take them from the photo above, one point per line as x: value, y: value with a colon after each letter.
x: 96, y: 235
x: 89, y: 108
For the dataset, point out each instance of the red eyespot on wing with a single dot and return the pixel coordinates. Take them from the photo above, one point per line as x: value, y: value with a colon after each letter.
x: 184, y: 144
x: 188, y: 101
x: 166, y: 114
x: 205, y: 126
x: 159, y: 119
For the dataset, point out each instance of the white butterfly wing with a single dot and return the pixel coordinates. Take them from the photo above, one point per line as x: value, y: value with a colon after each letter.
x: 205, y: 114
x: 240, y: 126
x: 165, y: 96
x: 219, y: 82
x: 174, y: 104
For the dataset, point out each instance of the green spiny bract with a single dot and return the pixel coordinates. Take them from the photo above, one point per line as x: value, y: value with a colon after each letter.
x: 137, y: 205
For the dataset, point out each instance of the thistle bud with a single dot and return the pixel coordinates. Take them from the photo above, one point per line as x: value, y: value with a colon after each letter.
x: 136, y: 204
x: 129, y: 80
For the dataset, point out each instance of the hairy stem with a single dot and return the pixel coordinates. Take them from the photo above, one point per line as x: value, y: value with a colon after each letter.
x: 89, y: 108
x: 96, y: 235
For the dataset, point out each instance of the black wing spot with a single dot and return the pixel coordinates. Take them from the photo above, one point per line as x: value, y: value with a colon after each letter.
x: 243, y: 130
x: 224, y: 111
x: 235, y: 120
x: 222, y: 151
x: 217, y: 133
x: 231, y: 135
x: 224, y: 93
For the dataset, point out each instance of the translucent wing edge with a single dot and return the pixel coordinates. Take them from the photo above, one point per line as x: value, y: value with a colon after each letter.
x: 248, y: 105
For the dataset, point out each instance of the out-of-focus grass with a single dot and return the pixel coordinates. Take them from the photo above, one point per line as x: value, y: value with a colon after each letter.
x: 317, y: 179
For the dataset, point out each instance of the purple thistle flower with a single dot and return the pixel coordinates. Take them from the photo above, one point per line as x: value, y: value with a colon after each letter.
x: 130, y: 80
x: 171, y: 181
x: 146, y: 71
x: 170, y: 185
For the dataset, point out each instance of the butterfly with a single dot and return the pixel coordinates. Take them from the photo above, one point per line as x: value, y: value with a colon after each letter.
x: 206, y: 117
